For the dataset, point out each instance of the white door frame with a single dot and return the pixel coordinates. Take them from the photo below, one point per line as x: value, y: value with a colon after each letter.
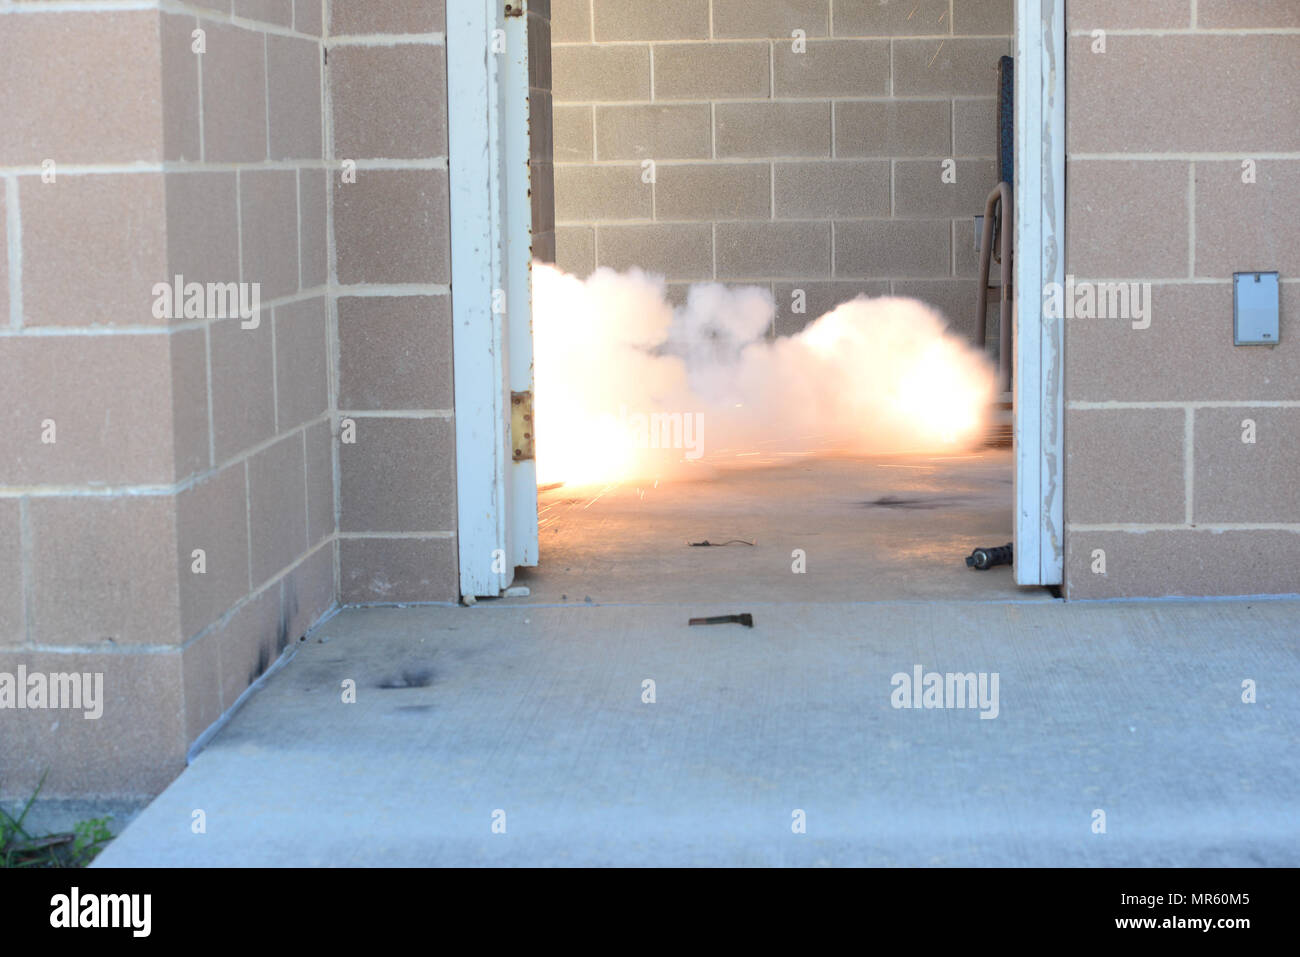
x: 490, y: 249
x: 1039, y: 370
x: 491, y: 238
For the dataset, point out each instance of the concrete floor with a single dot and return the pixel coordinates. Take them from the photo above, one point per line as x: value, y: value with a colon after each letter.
x: 888, y: 527
x: 1134, y: 709
x: 533, y: 705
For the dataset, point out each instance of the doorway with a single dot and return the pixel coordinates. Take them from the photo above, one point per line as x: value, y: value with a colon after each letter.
x: 490, y: 343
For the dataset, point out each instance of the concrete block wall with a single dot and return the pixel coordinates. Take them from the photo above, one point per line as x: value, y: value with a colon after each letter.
x: 133, y: 441
x: 1183, y: 163
x: 817, y: 169
x: 391, y: 275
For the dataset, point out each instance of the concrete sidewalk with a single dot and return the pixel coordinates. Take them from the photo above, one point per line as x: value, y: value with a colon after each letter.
x: 1133, y: 709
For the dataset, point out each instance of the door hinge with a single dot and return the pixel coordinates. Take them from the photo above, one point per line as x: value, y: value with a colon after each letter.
x: 521, y: 425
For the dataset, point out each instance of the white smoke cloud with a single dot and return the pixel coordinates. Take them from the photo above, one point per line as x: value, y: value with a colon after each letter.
x: 627, y: 387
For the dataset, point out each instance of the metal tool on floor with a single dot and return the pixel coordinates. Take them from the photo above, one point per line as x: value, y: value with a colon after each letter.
x: 983, y: 559
x: 746, y: 619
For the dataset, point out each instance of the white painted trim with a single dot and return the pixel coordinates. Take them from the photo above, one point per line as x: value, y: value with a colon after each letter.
x: 482, y: 418
x: 1039, y: 370
x: 521, y: 477
x: 491, y: 246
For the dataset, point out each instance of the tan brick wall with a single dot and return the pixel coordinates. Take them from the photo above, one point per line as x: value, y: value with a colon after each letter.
x: 305, y: 149
x: 391, y: 278
x: 1158, y: 479
x: 171, y: 434
x: 818, y: 170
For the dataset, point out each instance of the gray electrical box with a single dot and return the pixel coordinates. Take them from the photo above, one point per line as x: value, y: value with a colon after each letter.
x: 1255, y: 309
